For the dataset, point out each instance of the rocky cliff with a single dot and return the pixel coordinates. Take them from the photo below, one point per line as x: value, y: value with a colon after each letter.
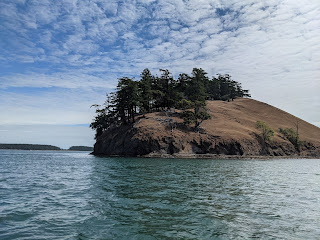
x: 231, y: 132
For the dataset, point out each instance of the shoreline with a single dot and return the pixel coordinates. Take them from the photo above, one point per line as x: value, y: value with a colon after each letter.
x: 208, y: 156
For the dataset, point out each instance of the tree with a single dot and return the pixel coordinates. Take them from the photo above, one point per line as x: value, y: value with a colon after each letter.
x: 201, y: 116
x: 196, y: 88
x: 196, y: 93
x: 145, y: 90
x: 106, y: 116
x: 127, y: 99
x: 214, y: 91
x: 266, y: 132
x: 224, y: 88
x: 184, y: 104
x: 188, y: 117
x: 292, y: 136
x: 166, y: 90
x: 182, y: 83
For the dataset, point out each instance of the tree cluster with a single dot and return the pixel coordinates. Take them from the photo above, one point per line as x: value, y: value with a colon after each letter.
x: 158, y: 93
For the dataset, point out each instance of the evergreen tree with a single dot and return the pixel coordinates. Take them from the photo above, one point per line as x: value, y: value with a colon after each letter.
x: 106, y: 116
x: 196, y: 91
x: 145, y: 90
x: 196, y: 88
x: 214, y: 91
x: 127, y: 99
x: 182, y: 83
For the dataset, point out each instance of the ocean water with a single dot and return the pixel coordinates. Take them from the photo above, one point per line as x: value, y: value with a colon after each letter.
x: 73, y: 195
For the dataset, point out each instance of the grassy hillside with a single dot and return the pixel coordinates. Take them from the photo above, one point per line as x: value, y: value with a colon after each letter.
x: 238, y: 119
x: 231, y: 131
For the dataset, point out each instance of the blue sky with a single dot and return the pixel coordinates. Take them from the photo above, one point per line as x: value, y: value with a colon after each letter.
x: 60, y: 57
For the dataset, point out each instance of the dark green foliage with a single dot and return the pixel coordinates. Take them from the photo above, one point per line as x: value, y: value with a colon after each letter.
x: 168, y: 88
x: 188, y: 117
x: 183, y: 82
x: 106, y: 116
x: 292, y: 136
x: 185, y: 104
x: 127, y: 99
x: 157, y: 93
x: 196, y: 88
x: 197, y: 94
x: 145, y: 90
x: 224, y: 88
x: 203, y: 115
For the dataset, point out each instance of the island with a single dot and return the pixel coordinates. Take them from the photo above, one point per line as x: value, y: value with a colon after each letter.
x: 28, y: 146
x: 80, y: 148
x: 195, y: 116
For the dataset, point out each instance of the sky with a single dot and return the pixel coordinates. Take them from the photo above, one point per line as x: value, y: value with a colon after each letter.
x: 57, y: 58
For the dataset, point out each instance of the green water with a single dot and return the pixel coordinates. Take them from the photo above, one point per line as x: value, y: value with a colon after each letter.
x: 73, y: 195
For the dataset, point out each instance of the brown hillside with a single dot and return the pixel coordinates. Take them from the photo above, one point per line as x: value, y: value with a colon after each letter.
x: 231, y: 131
x: 238, y: 118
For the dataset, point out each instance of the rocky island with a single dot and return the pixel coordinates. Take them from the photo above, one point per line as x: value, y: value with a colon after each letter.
x: 229, y: 129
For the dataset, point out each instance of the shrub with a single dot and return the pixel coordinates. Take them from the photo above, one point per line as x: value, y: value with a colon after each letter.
x: 188, y: 117
x: 292, y: 136
x: 266, y: 132
x: 185, y: 104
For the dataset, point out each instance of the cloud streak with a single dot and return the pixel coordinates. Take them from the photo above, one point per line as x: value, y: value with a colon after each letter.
x: 269, y: 46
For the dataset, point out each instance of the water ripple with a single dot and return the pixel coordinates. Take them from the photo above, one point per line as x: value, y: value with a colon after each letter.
x: 72, y: 195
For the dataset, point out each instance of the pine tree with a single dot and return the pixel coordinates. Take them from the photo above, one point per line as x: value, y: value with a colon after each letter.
x: 145, y: 90
x: 127, y: 99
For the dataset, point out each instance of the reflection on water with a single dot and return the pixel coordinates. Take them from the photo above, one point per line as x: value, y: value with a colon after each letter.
x: 56, y: 195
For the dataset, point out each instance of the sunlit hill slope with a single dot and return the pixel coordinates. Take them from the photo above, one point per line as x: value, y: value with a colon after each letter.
x: 231, y: 131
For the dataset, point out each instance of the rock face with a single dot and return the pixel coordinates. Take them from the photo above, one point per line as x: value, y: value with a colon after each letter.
x: 231, y: 131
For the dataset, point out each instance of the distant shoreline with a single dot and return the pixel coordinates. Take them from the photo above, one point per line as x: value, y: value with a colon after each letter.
x: 23, y: 146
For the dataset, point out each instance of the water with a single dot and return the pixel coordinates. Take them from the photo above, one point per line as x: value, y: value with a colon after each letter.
x: 73, y: 195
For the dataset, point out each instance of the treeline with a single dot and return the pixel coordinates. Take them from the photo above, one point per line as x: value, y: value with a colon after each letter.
x: 28, y: 147
x: 80, y: 148
x: 157, y: 93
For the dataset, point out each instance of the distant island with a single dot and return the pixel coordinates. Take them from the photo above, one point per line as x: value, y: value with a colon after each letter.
x: 9, y: 146
x: 80, y: 148
x: 195, y: 116
x: 29, y: 147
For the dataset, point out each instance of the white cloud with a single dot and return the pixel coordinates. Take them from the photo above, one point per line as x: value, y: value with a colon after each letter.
x: 50, y: 106
x: 269, y: 46
x: 69, y: 80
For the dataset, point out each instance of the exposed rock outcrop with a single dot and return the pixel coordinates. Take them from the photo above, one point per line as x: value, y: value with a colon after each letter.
x: 231, y: 131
